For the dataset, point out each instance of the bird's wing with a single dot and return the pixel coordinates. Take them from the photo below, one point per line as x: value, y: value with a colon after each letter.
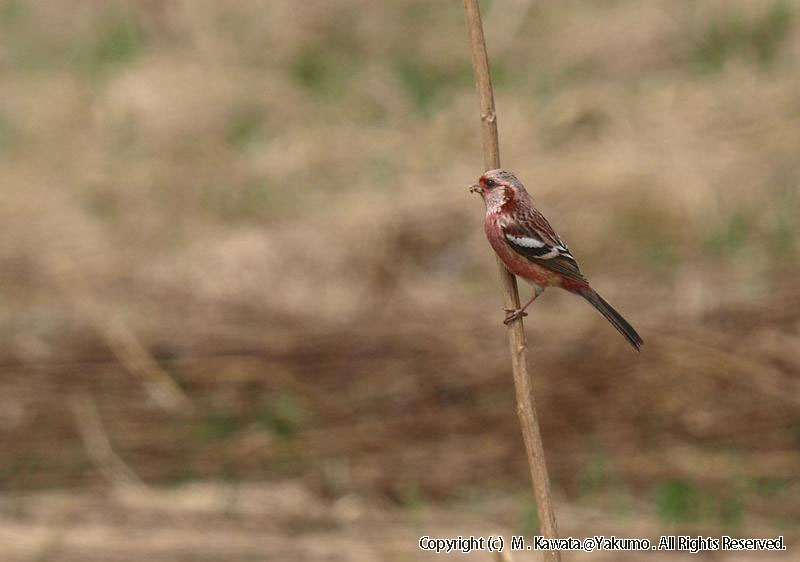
x: 535, y: 239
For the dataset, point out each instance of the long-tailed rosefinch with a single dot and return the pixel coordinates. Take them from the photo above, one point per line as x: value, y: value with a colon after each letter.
x: 531, y: 249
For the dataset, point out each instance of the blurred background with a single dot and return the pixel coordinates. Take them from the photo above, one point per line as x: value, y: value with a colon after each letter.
x: 249, y: 312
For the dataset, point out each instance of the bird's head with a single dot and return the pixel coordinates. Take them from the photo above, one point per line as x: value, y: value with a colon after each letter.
x: 498, y: 188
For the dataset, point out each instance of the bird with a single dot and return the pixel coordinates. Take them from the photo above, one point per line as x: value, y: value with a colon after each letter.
x: 531, y: 249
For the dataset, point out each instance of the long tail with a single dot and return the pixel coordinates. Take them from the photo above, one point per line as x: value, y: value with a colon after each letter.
x: 612, y: 316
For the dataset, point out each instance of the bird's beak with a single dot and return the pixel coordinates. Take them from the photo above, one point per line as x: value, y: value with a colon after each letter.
x: 475, y: 188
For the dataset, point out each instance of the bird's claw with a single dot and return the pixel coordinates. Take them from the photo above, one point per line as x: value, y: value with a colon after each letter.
x: 513, y: 314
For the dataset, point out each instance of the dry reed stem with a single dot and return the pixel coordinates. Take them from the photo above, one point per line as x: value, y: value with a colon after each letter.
x: 526, y: 408
x: 98, y: 446
x: 122, y: 342
x: 125, y: 482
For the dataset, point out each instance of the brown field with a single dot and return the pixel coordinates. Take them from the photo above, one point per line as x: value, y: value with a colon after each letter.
x: 249, y: 312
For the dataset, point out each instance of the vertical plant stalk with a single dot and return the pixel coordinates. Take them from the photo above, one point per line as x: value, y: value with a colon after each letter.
x: 526, y: 408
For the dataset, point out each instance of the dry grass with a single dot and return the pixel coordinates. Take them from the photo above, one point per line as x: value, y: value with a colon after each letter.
x: 272, y: 200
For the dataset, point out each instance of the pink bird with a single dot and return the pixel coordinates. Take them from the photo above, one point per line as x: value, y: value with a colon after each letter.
x: 531, y: 249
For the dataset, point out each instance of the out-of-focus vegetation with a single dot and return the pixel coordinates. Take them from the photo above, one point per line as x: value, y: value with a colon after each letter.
x: 271, y: 197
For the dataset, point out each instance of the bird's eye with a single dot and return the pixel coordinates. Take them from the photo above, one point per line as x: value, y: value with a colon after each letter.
x: 491, y: 183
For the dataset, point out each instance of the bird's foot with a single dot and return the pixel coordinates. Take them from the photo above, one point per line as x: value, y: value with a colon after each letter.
x: 513, y: 314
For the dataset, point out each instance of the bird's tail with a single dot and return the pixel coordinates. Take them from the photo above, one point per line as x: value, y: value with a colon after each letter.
x: 612, y: 316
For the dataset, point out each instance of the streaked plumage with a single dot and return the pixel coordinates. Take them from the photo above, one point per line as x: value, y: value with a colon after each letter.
x: 531, y: 249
